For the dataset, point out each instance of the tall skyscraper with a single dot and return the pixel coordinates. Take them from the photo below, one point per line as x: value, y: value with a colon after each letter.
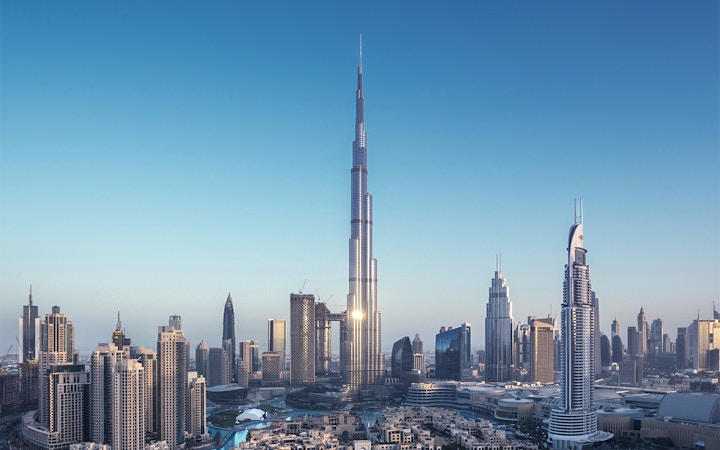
x: 218, y: 367
x: 452, y: 352
x: 103, y: 363
x: 270, y: 368
x: 148, y: 359
x: 656, y: 337
x: 276, y: 339
x: 615, y: 328
x: 229, y: 333
x: 574, y: 422
x: 302, y: 338
x: 172, y: 350
x: 498, y: 331
x: 128, y: 405
x: 402, y: 361
x: 632, y: 342
x: 196, y: 425
x: 642, y: 330
x: 201, y: 359
x: 363, y: 359
x: 28, y: 332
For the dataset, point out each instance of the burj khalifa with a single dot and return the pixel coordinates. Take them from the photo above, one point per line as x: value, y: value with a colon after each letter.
x: 363, y: 362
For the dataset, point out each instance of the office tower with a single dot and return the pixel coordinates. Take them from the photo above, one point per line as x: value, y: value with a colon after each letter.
x: 118, y: 336
x: 175, y: 321
x: 229, y: 333
x: 595, y: 302
x: 417, y: 344
x: 419, y: 362
x: 172, y: 349
x: 633, y: 340
x: 682, y: 350
x: 201, y: 359
x: 521, y: 352
x: 363, y: 359
x: 656, y: 336
x: 701, y: 335
x: 498, y: 331
x: 276, y: 339
x: 452, y: 352
x: 402, y: 361
x: 642, y: 333
x: 574, y: 422
x: 196, y: 402
x: 666, y: 344
x: 631, y: 372
x: 605, y: 352
x: 302, y: 338
x: 128, y: 405
x: 255, y: 356
x: 242, y: 373
x: 615, y: 328
x: 148, y: 359
x: 28, y: 333
x: 218, y: 367
x: 542, y: 350
x: 103, y: 363
x: 270, y: 368
x: 617, y: 349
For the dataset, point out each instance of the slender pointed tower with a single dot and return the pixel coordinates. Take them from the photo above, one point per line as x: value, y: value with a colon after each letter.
x: 574, y: 422
x: 363, y: 363
x: 229, y: 335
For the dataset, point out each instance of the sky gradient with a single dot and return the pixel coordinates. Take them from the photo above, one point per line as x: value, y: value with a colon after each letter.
x: 155, y: 156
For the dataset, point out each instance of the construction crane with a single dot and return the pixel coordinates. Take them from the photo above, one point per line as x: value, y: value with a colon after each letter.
x: 303, y: 286
x: 2, y: 362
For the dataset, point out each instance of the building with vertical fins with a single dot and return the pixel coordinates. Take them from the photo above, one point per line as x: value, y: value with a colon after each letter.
x: 498, y: 331
x: 574, y: 422
x: 363, y: 361
x: 28, y: 331
x: 277, y: 338
x: 229, y: 333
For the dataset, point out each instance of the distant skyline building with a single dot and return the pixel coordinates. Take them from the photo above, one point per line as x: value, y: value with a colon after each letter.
x: 417, y: 344
x: 362, y: 360
x: 118, y: 336
x: 29, y: 331
x: 701, y: 334
x: 172, y: 351
x: 656, y: 337
x: 229, y: 333
x: 617, y: 349
x: 402, y: 360
x: 302, y: 338
x: 202, y: 354
x: 642, y: 333
x: 615, y: 328
x: 542, y: 350
x: 277, y: 338
x: 453, y: 352
x: 218, y: 367
x: 498, y: 330
x: 574, y: 422
x: 271, y: 368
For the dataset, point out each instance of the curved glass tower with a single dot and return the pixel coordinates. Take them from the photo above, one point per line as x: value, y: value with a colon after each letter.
x: 363, y: 363
x: 574, y: 423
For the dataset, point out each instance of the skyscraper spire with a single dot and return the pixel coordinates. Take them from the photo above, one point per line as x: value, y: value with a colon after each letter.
x: 30, y: 298
x: 118, y: 326
x: 362, y: 362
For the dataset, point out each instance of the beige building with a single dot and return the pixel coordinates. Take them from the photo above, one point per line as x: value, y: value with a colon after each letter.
x: 542, y: 350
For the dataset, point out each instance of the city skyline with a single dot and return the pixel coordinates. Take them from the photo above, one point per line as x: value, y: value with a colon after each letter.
x: 155, y: 170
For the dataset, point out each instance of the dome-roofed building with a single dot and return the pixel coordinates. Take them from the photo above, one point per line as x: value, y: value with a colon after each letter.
x: 691, y: 408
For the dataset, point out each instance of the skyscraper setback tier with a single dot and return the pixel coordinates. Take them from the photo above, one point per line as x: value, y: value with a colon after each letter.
x: 363, y: 362
x: 498, y: 331
x: 574, y: 422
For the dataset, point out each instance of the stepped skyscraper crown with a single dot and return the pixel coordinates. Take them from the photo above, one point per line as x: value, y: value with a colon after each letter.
x: 498, y: 330
x: 362, y: 363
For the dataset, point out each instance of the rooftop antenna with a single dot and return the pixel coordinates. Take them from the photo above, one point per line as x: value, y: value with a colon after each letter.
x: 581, y: 211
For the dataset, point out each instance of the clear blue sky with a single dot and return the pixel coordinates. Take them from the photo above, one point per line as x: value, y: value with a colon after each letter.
x: 155, y: 156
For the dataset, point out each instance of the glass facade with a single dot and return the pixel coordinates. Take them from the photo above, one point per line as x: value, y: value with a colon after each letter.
x: 452, y: 352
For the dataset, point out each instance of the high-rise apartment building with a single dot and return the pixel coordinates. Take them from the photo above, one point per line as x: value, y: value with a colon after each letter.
x: 542, y: 350
x: 128, y: 405
x: 452, y: 352
x: 229, y: 334
x: 201, y: 359
x: 28, y: 331
x: 574, y: 422
x: 270, y: 368
x: 57, y: 346
x: 703, y: 336
x: 362, y: 359
x: 682, y: 349
x: 656, y: 337
x: 172, y: 350
x: 196, y: 425
x: 148, y: 359
x: 277, y: 338
x: 103, y: 364
x: 498, y: 331
x: 302, y: 338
